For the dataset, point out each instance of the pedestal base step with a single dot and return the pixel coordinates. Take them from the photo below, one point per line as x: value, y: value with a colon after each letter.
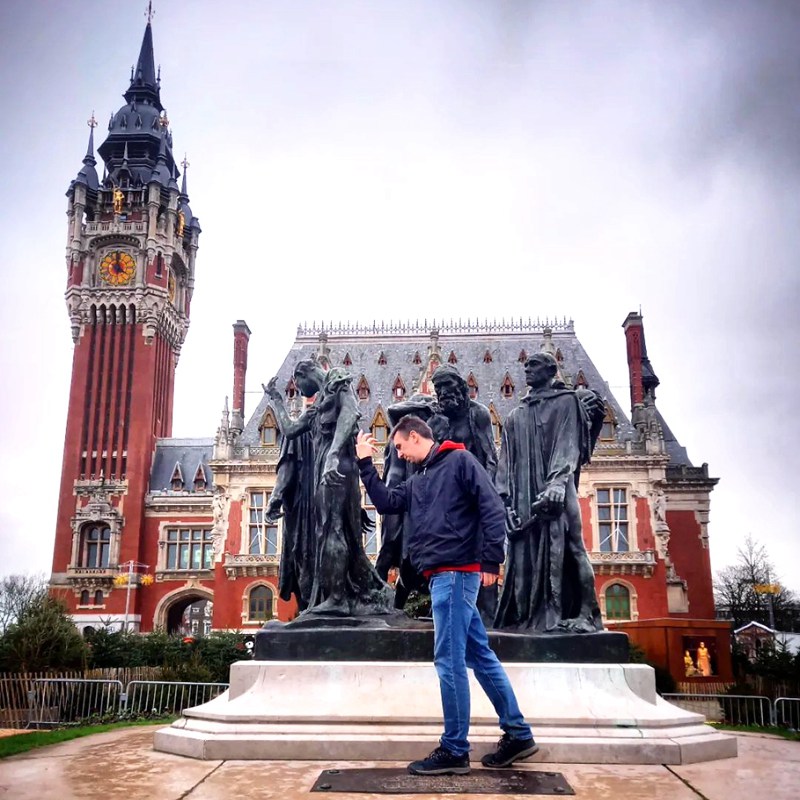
x: 379, y: 711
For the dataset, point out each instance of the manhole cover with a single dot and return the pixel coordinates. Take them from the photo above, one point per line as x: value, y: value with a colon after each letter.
x: 479, y: 781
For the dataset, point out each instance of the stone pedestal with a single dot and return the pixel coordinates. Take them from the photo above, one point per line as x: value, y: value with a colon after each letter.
x: 377, y: 710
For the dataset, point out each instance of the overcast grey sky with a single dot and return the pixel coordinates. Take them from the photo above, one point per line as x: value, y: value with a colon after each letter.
x: 514, y: 158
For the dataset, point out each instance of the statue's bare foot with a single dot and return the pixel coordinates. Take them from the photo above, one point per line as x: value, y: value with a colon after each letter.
x: 581, y: 624
x: 332, y: 607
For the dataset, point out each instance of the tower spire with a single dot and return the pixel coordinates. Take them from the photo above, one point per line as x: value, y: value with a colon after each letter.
x: 144, y: 80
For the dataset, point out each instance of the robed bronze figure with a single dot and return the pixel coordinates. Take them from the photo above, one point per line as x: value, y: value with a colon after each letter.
x: 549, y: 582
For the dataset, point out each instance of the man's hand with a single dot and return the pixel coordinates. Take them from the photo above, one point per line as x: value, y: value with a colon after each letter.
x: 488, y: 579
x: 366, y: 445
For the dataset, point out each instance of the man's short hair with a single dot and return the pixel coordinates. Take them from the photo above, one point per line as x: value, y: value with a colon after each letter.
x: 413, y: 423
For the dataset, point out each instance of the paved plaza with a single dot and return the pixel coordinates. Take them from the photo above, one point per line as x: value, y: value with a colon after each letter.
x: 123, y: 765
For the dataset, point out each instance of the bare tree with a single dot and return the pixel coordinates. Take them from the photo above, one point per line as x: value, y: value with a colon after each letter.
x: 749, y: 590
x: 17, y: 594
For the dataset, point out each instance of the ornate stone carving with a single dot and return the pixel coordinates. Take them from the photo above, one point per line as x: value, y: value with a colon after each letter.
x: 220, y: 506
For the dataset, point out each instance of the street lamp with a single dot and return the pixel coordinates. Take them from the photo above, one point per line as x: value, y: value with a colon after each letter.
x: 132, y: 566
x: 769, y: 589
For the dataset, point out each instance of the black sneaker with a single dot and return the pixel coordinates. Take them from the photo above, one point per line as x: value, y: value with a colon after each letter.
x: 509, y: 750
x: 441, y: 762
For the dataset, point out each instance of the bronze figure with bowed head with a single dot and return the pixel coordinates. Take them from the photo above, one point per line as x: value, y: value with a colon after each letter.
x: 549, y: 582
x: 323, y: 529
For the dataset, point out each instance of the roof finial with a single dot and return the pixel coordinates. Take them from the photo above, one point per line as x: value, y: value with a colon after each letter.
x: 89, y: 157
x: 185, y: 164
x: 150, y: 12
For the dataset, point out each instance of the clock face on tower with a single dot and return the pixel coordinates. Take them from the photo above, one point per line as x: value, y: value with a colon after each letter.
x: 117, y: 268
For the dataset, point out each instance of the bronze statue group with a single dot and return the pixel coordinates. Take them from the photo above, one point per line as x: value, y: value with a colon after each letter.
x: 548, y: 584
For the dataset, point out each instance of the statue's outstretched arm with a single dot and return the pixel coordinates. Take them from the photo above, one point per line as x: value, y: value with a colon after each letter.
x: 290, y: 428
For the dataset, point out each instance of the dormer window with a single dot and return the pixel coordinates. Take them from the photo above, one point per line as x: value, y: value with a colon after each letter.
x: 487, y: 358
x: 269, y: 430
x: 417, y: 358
x: 580, y: 380
x: 379, y: 427
x: 522, y: 357
x: 607, y: 432
x: 507, y: 386
x: 347, y: 361
x: 472, y: 386
x: 559, y: 356
x: 382, y: 359
x: 176, y: 481
x: 362, y: 390
x: 398, y: 389
x: 497, y: 426
x: 200, y: 482
x: 291, y: 389
x: 452, y: 359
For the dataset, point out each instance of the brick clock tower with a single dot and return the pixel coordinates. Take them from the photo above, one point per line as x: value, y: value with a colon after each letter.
x: 131, y: 246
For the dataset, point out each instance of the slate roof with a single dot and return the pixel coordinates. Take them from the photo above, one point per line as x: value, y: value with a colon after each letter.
x: 189, y: 454
x: 470, y: 343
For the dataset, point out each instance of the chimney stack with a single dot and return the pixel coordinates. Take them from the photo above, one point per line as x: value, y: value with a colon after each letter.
x: 241, y: 338
x: 634, y: 339
x: 643, y: 380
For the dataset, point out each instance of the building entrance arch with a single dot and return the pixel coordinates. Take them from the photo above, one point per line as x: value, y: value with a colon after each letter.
x: 170, y: 609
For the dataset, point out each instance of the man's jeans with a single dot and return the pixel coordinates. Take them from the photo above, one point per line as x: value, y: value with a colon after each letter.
x: 460, y: 641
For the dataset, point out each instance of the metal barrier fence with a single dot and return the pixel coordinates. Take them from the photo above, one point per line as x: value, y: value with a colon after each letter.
x: 732, y: 709
x: 167, y: 697
x: 67, y: 701
x: 787, y: 712
x: 56, y: 702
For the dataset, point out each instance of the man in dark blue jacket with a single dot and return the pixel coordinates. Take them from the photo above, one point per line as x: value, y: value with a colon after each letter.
x: 456, y: 539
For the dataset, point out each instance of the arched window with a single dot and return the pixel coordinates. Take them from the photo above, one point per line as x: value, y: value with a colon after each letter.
x: 96, y: 547
x: 618, y: 602
x: 98, y: 597
x: 260, y: 605
x: 269, y: 430
x: 84, y: 597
